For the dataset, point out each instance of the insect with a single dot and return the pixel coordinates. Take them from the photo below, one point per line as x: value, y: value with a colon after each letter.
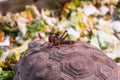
x: 57, y: 40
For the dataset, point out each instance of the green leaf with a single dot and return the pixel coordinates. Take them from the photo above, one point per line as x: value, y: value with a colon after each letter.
x: 1, y: 52
x: 6, y: 75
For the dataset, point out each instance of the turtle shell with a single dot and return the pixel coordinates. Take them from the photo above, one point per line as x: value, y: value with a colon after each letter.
x: 79, y: 62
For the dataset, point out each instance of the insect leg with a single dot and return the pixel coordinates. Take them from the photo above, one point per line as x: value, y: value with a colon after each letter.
x: 65, y: 37
x: 63, y: 34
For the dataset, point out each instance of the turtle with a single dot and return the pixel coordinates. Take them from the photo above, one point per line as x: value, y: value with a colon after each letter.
x: 81, y: 61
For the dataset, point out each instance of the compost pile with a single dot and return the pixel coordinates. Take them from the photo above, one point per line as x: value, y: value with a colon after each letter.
x: 97, y: 23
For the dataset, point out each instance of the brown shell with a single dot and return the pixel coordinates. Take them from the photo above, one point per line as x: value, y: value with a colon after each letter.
x: 79, y: 62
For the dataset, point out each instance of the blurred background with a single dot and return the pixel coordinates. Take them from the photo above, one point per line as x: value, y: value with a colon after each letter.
x: 22, y: 21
